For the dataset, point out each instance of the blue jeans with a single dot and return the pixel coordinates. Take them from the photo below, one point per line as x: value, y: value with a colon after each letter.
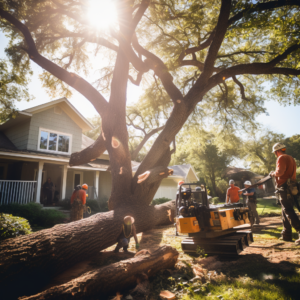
x: 123, y: 242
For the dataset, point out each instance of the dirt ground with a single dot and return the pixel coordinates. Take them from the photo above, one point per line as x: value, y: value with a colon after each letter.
x: 266, y: 260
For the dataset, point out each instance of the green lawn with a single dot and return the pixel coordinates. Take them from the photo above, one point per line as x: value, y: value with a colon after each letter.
x: 268, y: 206
x: 245, y: 288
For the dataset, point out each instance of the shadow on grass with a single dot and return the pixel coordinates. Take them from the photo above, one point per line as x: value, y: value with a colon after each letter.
x: 276, y: 232
x: 283, y: 275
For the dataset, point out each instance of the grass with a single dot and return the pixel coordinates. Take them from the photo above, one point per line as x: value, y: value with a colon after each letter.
x: 280, y: 288
x: 256, y: 277
x: 268, y: 207
x: 275, y: 233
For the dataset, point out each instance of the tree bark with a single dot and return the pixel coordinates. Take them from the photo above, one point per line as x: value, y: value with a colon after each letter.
x: 112, y: 278
x: 31, y: 260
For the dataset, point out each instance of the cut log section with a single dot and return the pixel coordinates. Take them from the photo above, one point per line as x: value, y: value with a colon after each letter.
x: 112, y: 278
x: 32, y: 260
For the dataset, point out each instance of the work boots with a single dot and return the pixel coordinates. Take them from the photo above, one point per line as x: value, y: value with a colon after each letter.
x: 117, y: 248
x: 287, y: 237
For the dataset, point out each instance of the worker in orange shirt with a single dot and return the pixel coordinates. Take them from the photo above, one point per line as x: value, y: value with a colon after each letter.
x: 284, y: 174
x: 232, y: 193
x: 78, y: 201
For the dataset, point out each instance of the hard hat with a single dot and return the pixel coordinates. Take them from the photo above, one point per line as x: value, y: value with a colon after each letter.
x: 198, y: 188
x: 85, y: 186
x: 247, y: 182
x: 278, y: 146
x: 231, y: 181
x: 180, y: 182
x: 128, y: 220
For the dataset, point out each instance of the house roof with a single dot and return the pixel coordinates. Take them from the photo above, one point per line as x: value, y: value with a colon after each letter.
x: 20, y: 118
x: 98, y: 164
x: 68, y: 108
x: 34, y: 155
x: 63, y: 103
x: 5, y: 142
x: 235, y: 173
x: 182, y: 171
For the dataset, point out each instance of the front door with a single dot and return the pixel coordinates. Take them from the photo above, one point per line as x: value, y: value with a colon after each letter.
x: 78, y: 178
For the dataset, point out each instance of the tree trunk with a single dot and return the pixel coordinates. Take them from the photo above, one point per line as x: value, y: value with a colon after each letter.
x: 30, y: 261
x: 112, y: 278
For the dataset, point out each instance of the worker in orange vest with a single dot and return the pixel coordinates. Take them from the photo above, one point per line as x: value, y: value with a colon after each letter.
x: 232, y: 194
x: 285, y: 176
x: 78, y: 201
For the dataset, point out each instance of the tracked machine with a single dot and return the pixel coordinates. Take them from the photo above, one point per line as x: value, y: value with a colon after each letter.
x: 212, y: 228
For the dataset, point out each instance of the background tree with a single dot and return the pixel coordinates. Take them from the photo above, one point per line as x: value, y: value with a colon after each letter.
x: 13, y: 82
x: 209, y: 152
x: 293, y: 147
x: 209, y: 57
x: 257, y: 151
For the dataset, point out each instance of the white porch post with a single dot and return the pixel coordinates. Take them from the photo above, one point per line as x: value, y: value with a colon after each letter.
x: 96, y: 183
x: 64, y: 181
x: 39, y: 182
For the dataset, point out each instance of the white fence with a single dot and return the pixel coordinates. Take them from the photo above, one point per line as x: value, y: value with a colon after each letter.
x: 16, y: 191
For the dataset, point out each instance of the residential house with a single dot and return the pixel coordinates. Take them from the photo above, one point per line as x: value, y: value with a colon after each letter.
x: 38, y: 143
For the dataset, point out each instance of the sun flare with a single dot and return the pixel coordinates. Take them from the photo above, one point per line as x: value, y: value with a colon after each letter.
x: 102, y: 13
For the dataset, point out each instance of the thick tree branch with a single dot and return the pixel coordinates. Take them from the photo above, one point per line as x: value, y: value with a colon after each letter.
x: 139, y: 14
x: 154, y: 174
x: 198, y: 64
x: 197, y: 91
x: 261, y: 7
x: 220, y: 32
x: 193, y: 50
x: 160, y: 69
x: 138, y: 79
x: 78, y: 83
x: 112, y: 278
x: 245, y: 52
x: 88, y: 154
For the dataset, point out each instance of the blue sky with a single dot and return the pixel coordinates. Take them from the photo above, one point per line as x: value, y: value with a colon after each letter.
x: 281, y: 119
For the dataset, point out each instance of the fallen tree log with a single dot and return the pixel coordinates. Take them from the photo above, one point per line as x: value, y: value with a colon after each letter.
x: 33, y: 259
x: 112, y: 278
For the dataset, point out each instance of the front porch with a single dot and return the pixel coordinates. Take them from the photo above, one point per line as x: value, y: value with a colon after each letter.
x: 23, y: 181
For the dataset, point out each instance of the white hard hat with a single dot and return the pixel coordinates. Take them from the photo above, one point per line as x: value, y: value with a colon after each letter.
x: 231, y: 181
x: 278, y: 146
x: 247, y: 182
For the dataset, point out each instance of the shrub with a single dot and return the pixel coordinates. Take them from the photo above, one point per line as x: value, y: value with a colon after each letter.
x: 11, y: 226
x: 34, y: 213
x: 103, y: 204
x: 98, y: 205
x: 215, y: 200
x: 65, y: 204
x: 93, y: 204
x: 160, y: 201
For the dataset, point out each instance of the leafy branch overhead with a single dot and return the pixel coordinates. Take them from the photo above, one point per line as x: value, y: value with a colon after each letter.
x: 197, y: 59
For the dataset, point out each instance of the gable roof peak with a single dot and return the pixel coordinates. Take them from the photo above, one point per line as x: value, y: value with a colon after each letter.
x: 68, y: 108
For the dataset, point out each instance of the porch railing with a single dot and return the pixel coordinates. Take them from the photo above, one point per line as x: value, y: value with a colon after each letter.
x: 16, y: 191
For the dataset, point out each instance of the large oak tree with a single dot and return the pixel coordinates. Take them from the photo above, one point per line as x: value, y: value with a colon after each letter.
x: 200, y: 56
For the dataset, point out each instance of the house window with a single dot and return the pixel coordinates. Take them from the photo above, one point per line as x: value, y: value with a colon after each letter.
x: 54, y: 141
